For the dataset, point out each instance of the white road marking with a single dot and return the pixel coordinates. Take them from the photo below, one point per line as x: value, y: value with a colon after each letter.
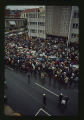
x: 46, y: 112
x: 41, y: 109
x: 47, y: 89
x: 38, y: 112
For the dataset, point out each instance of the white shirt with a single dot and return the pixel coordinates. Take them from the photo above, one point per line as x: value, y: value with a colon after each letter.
x: 63, y: 102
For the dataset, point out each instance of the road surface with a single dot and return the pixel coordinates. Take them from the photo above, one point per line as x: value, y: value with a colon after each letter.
x: 25, y: 96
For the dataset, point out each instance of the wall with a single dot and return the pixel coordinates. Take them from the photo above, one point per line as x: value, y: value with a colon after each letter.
x: 57, y: 20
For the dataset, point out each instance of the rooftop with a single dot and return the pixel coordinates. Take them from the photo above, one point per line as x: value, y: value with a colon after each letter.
x: 31, y: 10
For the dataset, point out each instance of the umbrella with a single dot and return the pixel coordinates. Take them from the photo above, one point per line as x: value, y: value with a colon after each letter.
x: 40, y: 59
x: 30, y: 57
x: 52, y: 57
x: 75, y: 66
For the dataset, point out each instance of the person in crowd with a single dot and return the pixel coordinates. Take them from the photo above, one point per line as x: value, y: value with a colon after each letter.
x: 71, y: 81
x: 5, y: 99
x: 66, y: 80
x: 44, y: 99
x: 18, y: 53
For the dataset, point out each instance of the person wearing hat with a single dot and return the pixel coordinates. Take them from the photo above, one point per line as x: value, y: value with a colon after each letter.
x: 5, y: 99
x: 44, y: 99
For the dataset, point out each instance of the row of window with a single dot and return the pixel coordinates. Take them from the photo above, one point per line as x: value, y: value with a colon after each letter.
x: 35, y: 16
x: 41, y: 16
x: 75, y: 25
x: 32, y: 15
x: 75, y: 35
x: 33, y: 23
x: 41, y: 31
x: 39, y: 23
x: 35, y: 31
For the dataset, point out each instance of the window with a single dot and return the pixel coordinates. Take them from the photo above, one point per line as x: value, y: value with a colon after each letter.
x: 26, y: 15
x: 75, y: 25
x: 32, y: 15
x: 35, y: 15
x: 41, y: 15
x: 76, y: 14
x: 38, y: 15
x: 33, y: 31
x: 41, y: 23
x: 75, y: 35
x: 33, y: 23
x: 41, y: 31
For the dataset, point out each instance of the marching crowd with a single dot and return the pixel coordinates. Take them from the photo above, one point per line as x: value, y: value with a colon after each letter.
x: 48, y: 57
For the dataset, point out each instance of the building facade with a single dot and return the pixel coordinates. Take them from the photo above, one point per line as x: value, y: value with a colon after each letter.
x: 74, y: 26
x: 15, y: 24
x: 61, y: 23
x: 23, y: 14
x: 13, y: 20
x: 12, y: 13
x: 36, y: 23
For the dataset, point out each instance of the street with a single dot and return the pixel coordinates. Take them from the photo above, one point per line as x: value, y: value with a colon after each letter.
x: 25, y: 96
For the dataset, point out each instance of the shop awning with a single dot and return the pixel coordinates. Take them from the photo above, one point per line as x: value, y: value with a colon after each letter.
x: 12, y: 22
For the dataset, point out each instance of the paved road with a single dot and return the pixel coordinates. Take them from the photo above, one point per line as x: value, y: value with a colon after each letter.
x: 25, y: 96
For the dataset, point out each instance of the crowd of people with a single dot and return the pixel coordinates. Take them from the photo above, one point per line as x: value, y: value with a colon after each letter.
x: 49, y: 57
